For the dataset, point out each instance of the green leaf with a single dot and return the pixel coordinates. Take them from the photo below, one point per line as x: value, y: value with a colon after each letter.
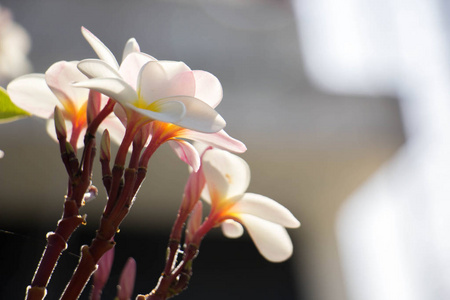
x: 9, y: 111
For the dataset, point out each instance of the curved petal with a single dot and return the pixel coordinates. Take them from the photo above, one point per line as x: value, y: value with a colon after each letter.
x: 227, y: 175
x: 95, y: 68
x: 272, y: 240
x: 162, y: 110
x: 31, y: 93
x: 130, y: 68
x: 162, y: 79
x: 218, y: 139
x: 265, y: 208
x: 186, y: 152
x: 130, y: 47
x: 207, y: 88
x: 114, y: 88
x: 59, y: 78
x: 102, y: 51
x: 199, y: 115
x: 232, y: 229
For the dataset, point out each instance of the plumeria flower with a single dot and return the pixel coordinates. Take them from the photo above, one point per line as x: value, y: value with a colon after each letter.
x: 163, y: 82
x: 40, y: 93
x: 227, y: 178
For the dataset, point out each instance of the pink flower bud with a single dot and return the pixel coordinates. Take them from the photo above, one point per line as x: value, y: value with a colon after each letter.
x: 105, y: 146
x: 102, y: 274
x: 126, y: 281
x: 194, y: 222
x: 93, y: 105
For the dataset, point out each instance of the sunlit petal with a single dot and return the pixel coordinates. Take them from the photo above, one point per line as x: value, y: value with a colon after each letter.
x: 114, y: 88
x: 186, y: 152
x: 102, y: 51
x: 272, y: 240
x: 162, y: 79
x: 227, y: 175
x: 232, y: 229
x: 218, y: 139
x: 94, y: 68
x: 130, y: 67
x: 162, y: 110
x: 31, y: 93
x: 130, y: 47
x: 265, y: 208
x: 208, y: 88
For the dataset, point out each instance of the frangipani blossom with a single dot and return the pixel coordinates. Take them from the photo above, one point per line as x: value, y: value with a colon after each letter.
x: 166, y: 80
x: 40, y: 93
x: 227, y: 178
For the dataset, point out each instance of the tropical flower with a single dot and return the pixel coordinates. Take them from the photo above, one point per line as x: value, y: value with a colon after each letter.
x: 227, y: 178
x: 161, y: 85
x: 40, y: 93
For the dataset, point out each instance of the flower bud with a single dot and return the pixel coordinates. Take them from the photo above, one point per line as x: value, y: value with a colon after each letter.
x: 93, y: 105
x: 105, y: 146
x: 60, y: 124
x: 126, y: 281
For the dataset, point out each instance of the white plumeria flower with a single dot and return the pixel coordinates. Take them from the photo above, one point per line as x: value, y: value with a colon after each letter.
x: 38, y: 94
x: 227, y: 179
x: 168, y: 80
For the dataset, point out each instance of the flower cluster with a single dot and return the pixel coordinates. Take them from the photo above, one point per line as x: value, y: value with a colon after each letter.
x: 142, y: 103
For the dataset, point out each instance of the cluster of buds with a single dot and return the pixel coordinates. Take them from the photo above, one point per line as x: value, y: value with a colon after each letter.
x: 140, y: 104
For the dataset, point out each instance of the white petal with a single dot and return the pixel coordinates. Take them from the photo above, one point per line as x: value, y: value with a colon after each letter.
x: 162, y: 110
x: 186, y: 152
x: 232, y: 229
x: 114, y: 88
x: 102, y: 51
x: 218, y: 139
x: 265, y: 208
x: 115, y: 128
x: 31, y: 93
x: 272, y: 240
x: 208, y: 88
x: 227, y: 175
x: 130, y: 47
x: 59, y: 78
x: 95, y: 68
x: 131, y: 66
x: 199, y: 116
x: 162, y: 79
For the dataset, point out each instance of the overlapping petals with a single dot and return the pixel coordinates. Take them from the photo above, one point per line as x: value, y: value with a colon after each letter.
x: 227, y: 178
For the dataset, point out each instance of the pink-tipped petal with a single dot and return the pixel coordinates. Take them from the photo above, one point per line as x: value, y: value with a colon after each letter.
x: 126, y: 281
x: 130, y: 47
x: 130, y: 68
x: 186, y: 152
x: 114, y: 88
x: 102, y: 51
x: 60, y: 77
x: 232, y: 229
x: 162, y: 79
x: 199, y: 115
x: 95, y: 68
x: 195, y: 221
x: 31, y: 93
x: 162, y: 110
x: 208, y: 88
x: 227, y: 175
x: 101, y: 275
x: 271, y: 240
x: 265, y: 208
x: 218, y: 139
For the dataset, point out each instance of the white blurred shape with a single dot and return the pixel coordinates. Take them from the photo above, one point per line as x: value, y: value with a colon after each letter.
x: 15, y: 44
x: 393, y: 231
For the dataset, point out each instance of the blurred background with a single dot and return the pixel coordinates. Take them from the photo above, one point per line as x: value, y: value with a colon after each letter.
x: 344, y: 108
